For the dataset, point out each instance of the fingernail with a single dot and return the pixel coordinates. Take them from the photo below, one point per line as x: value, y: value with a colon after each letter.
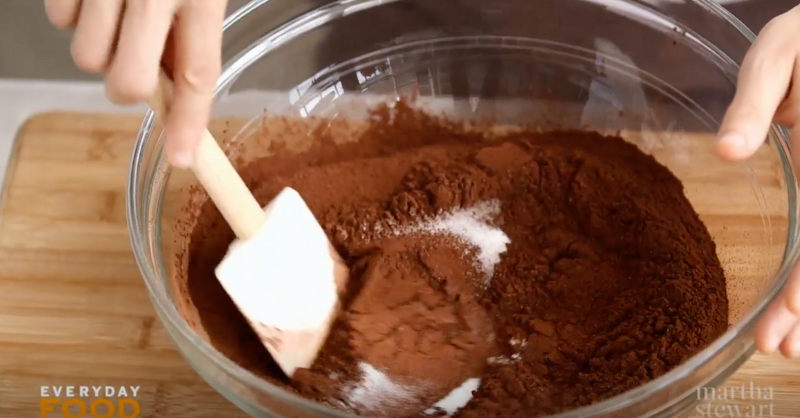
x: 732, y: 141
x: 182, y: 159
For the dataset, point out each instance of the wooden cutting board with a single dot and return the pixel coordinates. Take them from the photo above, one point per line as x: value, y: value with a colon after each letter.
x: 74, y: 310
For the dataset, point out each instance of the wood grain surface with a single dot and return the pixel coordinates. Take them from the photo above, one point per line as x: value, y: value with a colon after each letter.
x: 74, y: 310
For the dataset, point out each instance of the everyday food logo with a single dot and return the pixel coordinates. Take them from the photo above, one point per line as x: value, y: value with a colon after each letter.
x: 90, y: 402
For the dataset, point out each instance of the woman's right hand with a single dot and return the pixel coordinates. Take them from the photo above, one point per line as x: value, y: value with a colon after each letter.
x: 129, y: 40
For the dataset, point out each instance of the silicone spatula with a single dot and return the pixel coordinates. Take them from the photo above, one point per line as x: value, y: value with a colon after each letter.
x: 281, y: 271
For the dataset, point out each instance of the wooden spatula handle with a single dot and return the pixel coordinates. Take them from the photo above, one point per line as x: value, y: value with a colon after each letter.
x: 216, y: 173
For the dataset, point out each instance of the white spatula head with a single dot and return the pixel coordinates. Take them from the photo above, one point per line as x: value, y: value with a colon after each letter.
x: 284, y: 281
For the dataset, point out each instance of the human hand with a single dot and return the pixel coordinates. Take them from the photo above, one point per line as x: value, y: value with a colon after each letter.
x: 129, y: 42
x: 768, y: 91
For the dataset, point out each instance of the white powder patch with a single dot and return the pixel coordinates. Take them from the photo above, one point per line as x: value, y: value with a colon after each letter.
x: 505, y: 360
x: 456, y: 399
x: 472, y: 225
x: 517, y: 342
x: 376, y: 394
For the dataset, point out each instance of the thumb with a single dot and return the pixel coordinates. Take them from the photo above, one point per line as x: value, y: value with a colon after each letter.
x: 763, y: 82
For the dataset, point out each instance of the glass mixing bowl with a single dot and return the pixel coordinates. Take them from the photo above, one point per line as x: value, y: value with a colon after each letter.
x: 661, y: 72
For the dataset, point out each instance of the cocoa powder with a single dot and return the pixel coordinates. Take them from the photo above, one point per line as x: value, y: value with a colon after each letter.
x: 610, y: 278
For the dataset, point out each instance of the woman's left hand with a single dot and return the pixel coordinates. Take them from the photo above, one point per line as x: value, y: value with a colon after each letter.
x: 768, y: 91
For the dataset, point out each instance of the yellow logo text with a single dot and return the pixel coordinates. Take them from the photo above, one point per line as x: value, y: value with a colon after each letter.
x: 90, y: 402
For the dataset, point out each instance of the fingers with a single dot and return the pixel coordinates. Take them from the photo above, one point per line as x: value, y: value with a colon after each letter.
x: 788, y: 113
x: 790, y: 347
x: 763, y: 81
x: 791, y: 293
x: 63, y: 14
x: 774, y: 326
x: 198, y: 38
x: 133, y: 75
x: 93, y: 41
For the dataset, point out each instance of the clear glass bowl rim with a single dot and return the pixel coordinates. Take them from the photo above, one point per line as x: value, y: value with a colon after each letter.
x: 168, y: 312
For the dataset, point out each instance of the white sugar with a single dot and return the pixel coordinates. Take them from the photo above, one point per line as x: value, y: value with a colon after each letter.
x: 505, y: 360
x: 456, y: 399
x: 518, y: 342
x: 376, y: 394
x: 515, y: 342
x: 473, y: 225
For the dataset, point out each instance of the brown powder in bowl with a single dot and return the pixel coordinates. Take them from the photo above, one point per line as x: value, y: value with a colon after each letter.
x: 609, y: 280
x: 415, y: 319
